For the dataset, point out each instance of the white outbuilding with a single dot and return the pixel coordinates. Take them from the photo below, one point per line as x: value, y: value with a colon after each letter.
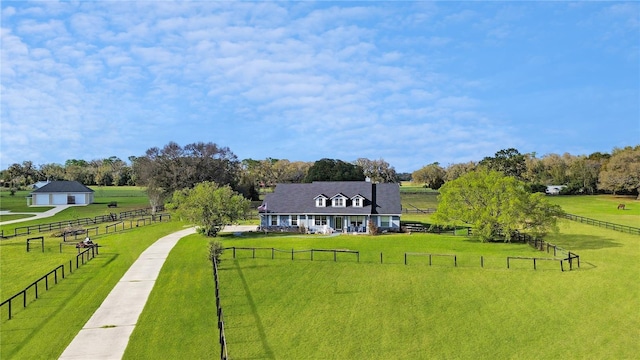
x: 61, y: 193
x: 554, y: 189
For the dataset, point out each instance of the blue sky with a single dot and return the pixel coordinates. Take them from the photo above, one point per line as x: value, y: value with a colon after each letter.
x: 409, y: 82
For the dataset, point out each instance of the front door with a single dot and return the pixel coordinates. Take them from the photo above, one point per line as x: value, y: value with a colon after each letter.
x: 338, y: 226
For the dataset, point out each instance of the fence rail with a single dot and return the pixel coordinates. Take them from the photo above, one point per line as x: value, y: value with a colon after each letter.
x: 604, y: 224
x: 293, y: 252
x: 58, y: 225
x: 224, y: 355
x: 81, y: 259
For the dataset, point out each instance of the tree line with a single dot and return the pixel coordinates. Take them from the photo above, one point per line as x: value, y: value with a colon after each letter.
x: 617, y: 172
x: 173, y: 167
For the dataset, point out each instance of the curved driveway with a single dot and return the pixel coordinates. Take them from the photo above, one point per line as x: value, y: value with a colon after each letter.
x: 37, y: 215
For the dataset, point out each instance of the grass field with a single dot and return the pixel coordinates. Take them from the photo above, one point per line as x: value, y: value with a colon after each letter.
x: 602, y: 207
x: 321, y: 309
x: 284, y: 309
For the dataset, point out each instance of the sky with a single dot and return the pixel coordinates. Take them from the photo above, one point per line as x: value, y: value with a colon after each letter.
x: 409, y: 82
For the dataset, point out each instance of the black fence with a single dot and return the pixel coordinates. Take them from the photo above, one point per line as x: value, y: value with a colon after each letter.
x: 224, y: 355
x: 293, y: 252
x: 59, y: 225
x: 34, y: 290
x: 418, y: 211
x: 434, y: 229
x: 604, y: 224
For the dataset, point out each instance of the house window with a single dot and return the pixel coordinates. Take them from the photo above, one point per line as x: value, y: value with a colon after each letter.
x: 274, y: 220
x: 321, y: 220
x: 338, y: 202
x: 357, y: 221
x: 294, y: 220
x: 385, y: 221
x: 357, y: 202
x: 320, y: 202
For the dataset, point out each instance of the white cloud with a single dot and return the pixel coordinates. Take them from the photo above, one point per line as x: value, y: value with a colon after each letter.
x: 338, y: 79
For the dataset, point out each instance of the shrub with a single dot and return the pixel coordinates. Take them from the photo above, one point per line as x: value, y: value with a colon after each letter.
x: 215, y: 250
x: 373, y: 228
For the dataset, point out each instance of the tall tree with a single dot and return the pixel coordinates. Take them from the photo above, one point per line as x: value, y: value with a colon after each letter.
x: 495, y: 204
x: 334, y: 170
x: 173, y: 167
x: 508, y: 161
x: 454, y: 171
x: 210, y: 206
x: 379, y: 171
x: 51, y: 172
x: 583, y: 175
x: 622, y: 172
x: 432, y: 175
x: 79, y: 170
x: 556, y: 168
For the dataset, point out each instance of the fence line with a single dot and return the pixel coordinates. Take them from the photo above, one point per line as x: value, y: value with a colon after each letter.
x: 569, y: 257
x: 293, y: 251
x: 89, y: 254
x: 38, y: 228
x: 604, y: 224
x: 222, y: 337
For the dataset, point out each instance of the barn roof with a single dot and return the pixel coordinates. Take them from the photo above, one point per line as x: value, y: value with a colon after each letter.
x: 63, y: 187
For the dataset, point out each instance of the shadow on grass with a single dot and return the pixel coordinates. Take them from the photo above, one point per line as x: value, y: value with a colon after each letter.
x: 585, y: 242
x: 28, y: 322
x: 258, y: 322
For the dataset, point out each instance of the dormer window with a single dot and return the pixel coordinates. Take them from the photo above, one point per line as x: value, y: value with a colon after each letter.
x: 320, y: 201
x: 339, y: 200
x: 357, y: 201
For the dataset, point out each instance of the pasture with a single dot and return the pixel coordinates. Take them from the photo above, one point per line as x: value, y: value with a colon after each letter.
x: 283, y: 308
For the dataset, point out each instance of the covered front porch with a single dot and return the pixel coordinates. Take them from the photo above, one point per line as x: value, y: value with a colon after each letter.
x: 315, y: 223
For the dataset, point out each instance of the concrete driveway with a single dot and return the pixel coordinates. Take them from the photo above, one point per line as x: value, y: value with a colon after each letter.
x: 37, y: 215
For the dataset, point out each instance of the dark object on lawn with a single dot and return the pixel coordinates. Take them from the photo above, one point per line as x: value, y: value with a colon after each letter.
x: 621, y: 207
x: 113, y: 204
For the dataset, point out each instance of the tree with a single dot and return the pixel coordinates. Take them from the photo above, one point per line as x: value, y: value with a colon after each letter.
x: 379, y: 171
x: 164, y: 171
x: 556, y: 168
x: 79, y: 170
x: 495, y: 205
x: 454, y: 171
x: 432, y: 176
x: 333, y: 170
x: 51, y: 172
x: 508, y: 161
x: 622, y: 172
x: 210, y: 206
x: 583, y: 175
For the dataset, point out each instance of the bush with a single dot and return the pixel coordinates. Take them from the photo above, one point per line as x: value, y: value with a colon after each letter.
x: 215, y: 250
x: 373, y: 228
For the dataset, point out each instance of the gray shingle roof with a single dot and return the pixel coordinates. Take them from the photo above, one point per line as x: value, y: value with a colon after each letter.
x: 299, y: 198
x: 63, y: 187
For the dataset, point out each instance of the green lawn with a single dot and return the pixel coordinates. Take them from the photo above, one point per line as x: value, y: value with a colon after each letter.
x: 602, y: 207
x: 320, y: 309
x: 179, y: 320
x: 346, y: 309
x: 47, y: 325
